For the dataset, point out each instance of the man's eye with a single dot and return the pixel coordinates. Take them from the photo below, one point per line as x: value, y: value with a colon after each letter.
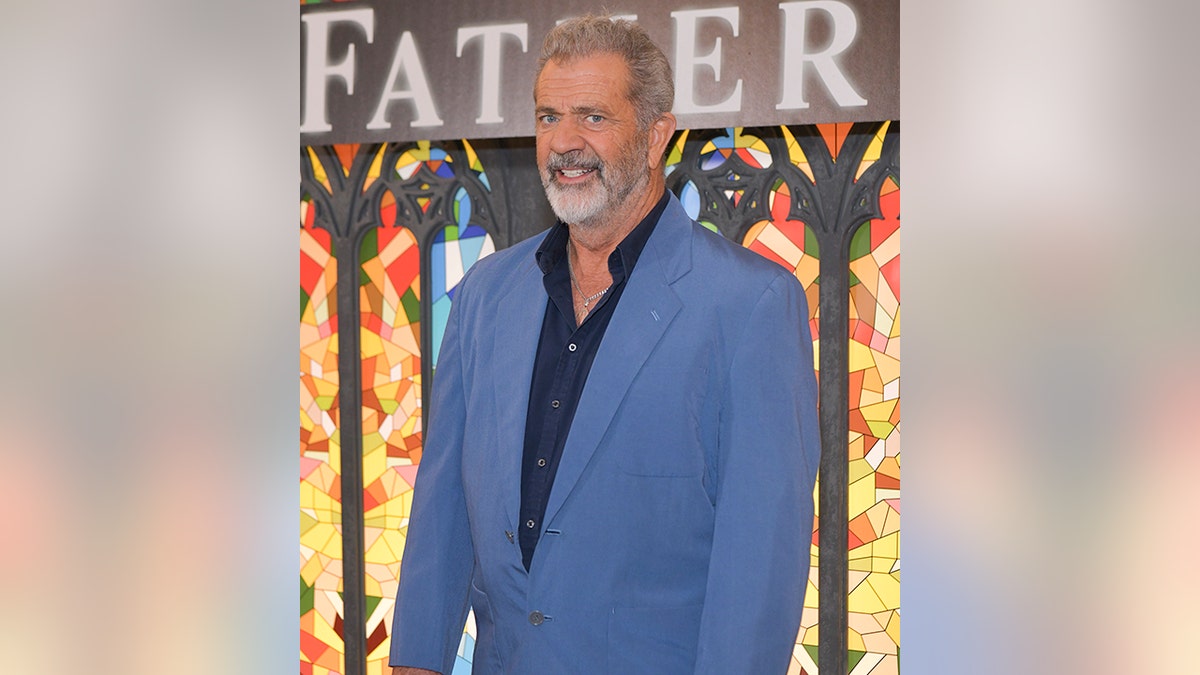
x: 547, y: 119
x: 594, y: 119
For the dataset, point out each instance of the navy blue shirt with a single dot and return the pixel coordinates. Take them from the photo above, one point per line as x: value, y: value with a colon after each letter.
x: 564, y: 358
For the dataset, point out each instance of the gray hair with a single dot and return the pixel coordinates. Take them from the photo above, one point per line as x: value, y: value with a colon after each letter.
x: 651, y: 86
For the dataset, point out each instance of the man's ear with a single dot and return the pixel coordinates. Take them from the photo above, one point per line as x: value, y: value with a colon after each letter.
x: 660, y: 134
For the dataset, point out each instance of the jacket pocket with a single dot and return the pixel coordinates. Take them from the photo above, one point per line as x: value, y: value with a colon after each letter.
x: 486, y: 658
x: 653, y: 640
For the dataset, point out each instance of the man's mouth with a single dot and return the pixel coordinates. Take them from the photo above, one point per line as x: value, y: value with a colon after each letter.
x: 574, y: 173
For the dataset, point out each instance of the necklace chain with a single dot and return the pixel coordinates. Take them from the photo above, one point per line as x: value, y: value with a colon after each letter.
x: 587, y: 299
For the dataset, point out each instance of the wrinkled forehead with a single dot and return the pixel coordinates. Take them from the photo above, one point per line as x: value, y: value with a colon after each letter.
x: 602, y: 74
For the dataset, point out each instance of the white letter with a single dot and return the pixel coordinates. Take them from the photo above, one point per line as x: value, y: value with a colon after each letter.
x: 318, y: 71
x: 489, y: 61
x: 845, y: 29
x: 687, y: 60
x: 409, y: 61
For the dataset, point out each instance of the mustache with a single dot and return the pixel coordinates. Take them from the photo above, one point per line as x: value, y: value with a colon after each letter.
x: 575, y: 159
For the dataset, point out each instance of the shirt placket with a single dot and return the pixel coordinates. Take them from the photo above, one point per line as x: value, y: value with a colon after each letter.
x: 546, y: 461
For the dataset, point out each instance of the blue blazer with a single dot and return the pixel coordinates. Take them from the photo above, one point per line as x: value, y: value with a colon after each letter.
x: 676, y: 536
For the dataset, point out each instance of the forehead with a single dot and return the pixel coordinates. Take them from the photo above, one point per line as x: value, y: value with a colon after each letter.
x: 596, y: 79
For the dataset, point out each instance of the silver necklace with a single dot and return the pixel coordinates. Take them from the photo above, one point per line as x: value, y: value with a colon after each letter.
x: 587, y: 299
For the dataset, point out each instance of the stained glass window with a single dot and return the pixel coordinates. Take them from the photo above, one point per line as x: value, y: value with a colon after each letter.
x: 390, y: 320
x: 391, y: 315
x: 391, y: 405
x: 455, y: 249
x: 320, y: 489
x: 874, y: 493
x: 873, y: 352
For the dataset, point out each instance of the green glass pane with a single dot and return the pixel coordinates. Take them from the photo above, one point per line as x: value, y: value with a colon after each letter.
x: 306, y: 597
x: 412, y: 307
x: 860, y: 245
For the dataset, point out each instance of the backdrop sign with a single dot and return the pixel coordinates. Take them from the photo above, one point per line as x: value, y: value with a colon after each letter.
x: 382, y: 70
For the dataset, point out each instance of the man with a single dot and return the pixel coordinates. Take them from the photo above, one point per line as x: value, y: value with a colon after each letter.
x: 619, y: 468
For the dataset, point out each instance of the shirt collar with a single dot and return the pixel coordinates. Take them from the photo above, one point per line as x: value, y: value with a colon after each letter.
x: 554, y: 246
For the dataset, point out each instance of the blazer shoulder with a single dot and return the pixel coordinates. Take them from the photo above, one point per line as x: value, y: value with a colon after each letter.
x: 494, y: 275
x: 512, y: 259
x: 719, y: 258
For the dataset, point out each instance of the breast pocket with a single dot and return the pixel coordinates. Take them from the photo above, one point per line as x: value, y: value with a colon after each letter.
x: 662, y: 432
x: 667, y: 442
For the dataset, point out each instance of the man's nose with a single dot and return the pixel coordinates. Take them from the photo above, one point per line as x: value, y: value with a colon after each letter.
x: 565, y: 137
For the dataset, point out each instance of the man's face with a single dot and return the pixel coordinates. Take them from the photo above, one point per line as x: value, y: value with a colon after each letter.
x: 591, y: 155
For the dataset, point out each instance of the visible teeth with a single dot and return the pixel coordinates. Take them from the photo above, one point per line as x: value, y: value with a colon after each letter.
x: 574, y: 173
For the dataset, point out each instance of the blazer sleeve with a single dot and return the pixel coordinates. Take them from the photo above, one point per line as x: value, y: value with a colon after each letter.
x: 435, y: 575
x: 769, y: 449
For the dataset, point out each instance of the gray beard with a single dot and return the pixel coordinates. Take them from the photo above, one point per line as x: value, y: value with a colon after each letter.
x: 575, y: 205
x: 593, y: 205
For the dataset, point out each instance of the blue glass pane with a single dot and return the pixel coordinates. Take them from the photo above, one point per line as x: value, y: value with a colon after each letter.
x: 689, y: 196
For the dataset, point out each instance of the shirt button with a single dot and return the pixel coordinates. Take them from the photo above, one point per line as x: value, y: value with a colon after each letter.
x: 530, y: 523
x: 541, y: 461
x: 572, y: 347
x: 555, y: 403
x: 536, y: 618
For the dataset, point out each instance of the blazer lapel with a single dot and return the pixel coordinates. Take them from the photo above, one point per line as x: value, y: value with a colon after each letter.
x: 518, y: 322
x: 641, y: 317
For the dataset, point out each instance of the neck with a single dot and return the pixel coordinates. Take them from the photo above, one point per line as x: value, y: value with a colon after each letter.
x: 594, y: 242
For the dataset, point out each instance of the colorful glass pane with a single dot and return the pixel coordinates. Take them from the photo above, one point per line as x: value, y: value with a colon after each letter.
x: 389, y: 288
x: 734, y: 142
x: 392, y: 372
x: 437, y: 160
x: 689, y: 197
x: 455, y: 249
x: 874, y: 494
x: 321, y: 644
x: 390, y: 321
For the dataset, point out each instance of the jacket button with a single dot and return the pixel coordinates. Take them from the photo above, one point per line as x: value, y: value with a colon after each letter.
x: 536, y: 618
